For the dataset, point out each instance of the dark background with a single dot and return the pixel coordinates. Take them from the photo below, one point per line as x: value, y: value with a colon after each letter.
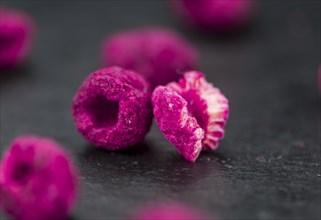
x: 268, y: 165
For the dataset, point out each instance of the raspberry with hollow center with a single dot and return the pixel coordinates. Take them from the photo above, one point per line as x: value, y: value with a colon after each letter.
x: 159, y: 55
x: 112, y: 108
x: 191, y: 114
x: 16, y: 36
x: 37, y: 180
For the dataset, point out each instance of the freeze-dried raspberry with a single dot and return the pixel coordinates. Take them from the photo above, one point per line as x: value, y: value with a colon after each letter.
x: 168, y: 211
x: 191, y: 114
x: 112, y: 108
x: 37, y: 180
x: 214, y: 14
x: 16, y: 35
x: 160, y: 55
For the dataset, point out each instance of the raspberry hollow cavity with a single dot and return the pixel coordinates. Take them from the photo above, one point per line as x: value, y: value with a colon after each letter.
x: 191, y: 114
x: 159, y: 55
x: 112, y: 108
x: 16, y: 36
x: 37, y: 180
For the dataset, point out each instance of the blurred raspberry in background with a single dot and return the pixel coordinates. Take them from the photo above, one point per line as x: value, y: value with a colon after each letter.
x: 168, y: 211
x: 159, y: 54
x: 16, y: 37
x: 216, y: 15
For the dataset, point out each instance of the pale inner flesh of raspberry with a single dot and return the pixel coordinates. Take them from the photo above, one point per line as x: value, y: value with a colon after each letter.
x: 206, y: 104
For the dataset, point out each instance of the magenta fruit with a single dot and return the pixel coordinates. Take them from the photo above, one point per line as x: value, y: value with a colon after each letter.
x: 191, y: 114
x: 168, y: 211
x: 219, y: 15
x: 112, y: 108
x: 16, y: 36
x: 37, y: 180
x: 158, y: 54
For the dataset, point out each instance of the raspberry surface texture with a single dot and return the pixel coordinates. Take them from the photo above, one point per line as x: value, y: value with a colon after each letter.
x: 158, y: 54
x: 16, y: 36
x: 222, y: 15
x: 168, y: 211
x: 191, y: 113
x: 37, y: 180
x: 112, y: 108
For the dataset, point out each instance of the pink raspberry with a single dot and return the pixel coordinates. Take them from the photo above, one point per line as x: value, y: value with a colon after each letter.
x: 160, y: 55
x: 37, y: 180
x: 191, y: 114
x: 112, y: 108
x: 214, y: 14
x: 16, y: 35
x: 168, y: 211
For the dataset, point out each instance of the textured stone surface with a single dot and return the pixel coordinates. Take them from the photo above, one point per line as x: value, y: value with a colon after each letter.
x: 268, y: 164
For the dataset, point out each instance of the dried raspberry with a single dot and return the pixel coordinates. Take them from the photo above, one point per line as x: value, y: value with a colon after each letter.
x: 214, y: 14
x: 112, y: 108
x: 37, y: 180
x: 160, y: 55
x: 168, y: 211
x: 191, y: 114
x: 16, y: 35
